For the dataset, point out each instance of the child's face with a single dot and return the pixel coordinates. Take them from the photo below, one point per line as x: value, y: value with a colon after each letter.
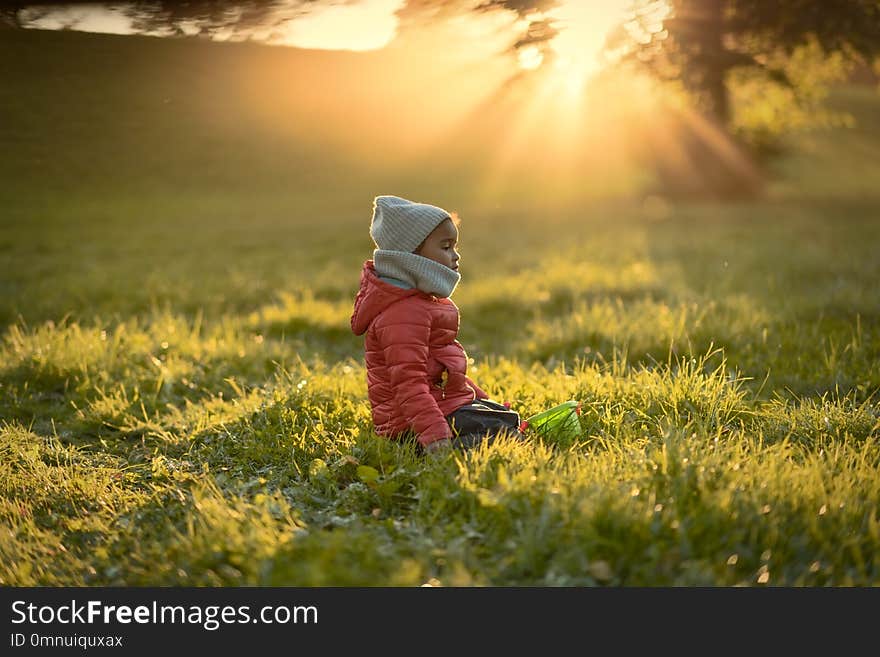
x: 439, y: 246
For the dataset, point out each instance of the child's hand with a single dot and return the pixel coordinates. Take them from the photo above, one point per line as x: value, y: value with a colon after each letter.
x: 438, y: 447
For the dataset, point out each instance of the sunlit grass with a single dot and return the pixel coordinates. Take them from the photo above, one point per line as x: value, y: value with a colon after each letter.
x: 680, y: 477
x: 183, y: 403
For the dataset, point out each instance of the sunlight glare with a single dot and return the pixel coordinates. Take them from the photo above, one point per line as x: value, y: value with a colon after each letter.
x: 583, y: 29
x: 530, y: 58
x: 356, y: 26
x: 579, y: 49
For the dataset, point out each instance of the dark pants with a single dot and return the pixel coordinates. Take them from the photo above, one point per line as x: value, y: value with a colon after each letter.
x: 482, y: 420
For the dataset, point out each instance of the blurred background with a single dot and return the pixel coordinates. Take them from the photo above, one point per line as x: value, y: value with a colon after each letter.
x: 145, y: 141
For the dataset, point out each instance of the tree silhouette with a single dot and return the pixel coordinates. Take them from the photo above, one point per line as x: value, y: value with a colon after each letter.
x: 200, y: 17
x: 702, y: 41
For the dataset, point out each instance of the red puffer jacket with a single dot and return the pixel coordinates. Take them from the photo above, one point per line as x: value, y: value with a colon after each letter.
x: 416, y: 369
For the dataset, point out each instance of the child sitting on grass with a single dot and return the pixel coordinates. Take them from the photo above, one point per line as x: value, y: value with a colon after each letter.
x: 417, y: 379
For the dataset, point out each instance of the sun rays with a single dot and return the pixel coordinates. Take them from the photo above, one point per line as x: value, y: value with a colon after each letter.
x: 579, y: 123
x: 557, y: 119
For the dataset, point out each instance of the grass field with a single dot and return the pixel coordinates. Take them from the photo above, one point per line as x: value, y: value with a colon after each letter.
x: 183, y: 402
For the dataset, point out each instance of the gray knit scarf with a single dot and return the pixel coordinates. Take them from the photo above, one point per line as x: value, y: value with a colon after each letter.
x: 415, y: 270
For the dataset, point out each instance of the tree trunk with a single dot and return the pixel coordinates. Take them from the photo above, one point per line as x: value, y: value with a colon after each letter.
x: 714, y: 72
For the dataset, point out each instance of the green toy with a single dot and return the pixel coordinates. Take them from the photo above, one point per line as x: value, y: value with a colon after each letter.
x: 560, y: 421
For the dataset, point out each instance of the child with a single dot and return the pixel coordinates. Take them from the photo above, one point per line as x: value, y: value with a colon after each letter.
x: 416, y: 369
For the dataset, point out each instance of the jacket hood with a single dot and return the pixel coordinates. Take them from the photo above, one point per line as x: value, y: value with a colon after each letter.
x: 373, y: 297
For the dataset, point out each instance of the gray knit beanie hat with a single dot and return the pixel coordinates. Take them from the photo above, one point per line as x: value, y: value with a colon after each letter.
x: 401, y: 225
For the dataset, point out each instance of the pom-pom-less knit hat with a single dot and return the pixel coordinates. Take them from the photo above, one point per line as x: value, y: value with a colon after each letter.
x: 402, y: 225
